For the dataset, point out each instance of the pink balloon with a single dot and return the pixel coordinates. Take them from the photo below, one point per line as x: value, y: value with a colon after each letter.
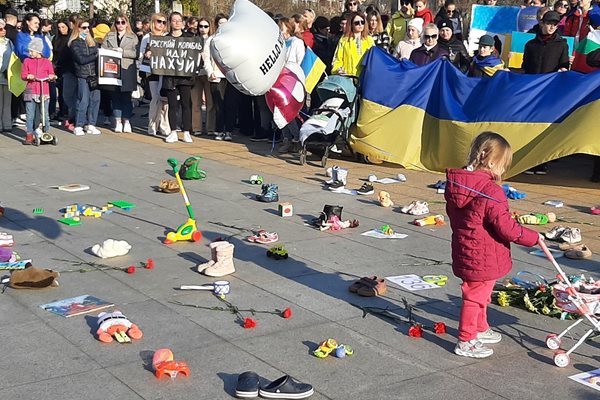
x: 286, y: 98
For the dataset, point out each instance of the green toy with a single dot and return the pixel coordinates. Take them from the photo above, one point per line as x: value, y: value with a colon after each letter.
x: 38, y: 210
x: 125, y: 205
x: 70, y: 221
x: 190, y: 169
x: 278, y: 252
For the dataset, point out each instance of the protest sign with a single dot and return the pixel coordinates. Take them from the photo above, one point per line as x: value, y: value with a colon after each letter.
x: 181, y: 56
x: 109, y: 67
x: 517, y: 47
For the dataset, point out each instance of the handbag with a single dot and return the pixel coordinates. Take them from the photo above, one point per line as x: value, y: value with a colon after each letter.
x: 92, y: 82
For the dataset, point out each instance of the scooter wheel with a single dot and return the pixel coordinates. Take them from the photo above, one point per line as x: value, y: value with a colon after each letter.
x: 196, y: 236
x: 55, y: 141
x: 36, y: 140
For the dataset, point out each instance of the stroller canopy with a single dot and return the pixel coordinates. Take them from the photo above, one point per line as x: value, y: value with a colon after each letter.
x: 336, y: 86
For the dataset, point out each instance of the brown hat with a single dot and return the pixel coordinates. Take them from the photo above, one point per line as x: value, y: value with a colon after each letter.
x: 33, y: 278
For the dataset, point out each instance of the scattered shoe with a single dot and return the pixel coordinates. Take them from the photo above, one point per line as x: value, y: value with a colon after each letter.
x: 420, y: 208
x: 187, y: 138
x: 489, y: 337
x: 555, y: 232
x: 408, y: 207
x: 579, y: 253
x: 472, y: 348
x: 286, y: 388
x: 570, y: 235
x: 264, y: 237
x: 269, y: 193
x: 127, y: 127
x: 172, y: 138
x: 366, y: 189
x: 78, y: 131
x: 224, y: 261
x: 370, y: 286
x: 119, y: 127
x: 247, y: 385
x: 336, y: 185
x: 6, y: 240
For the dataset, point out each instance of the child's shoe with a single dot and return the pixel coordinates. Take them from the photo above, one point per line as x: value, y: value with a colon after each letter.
x: 118, y: 127
x: 472, y: 348
x: 28, y: 138
x: 489, y: 337
x: 269, y: 193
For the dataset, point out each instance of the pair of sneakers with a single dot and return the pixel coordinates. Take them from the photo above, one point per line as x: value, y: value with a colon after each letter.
x: 417, y: 207
x: 89, y: 129
x: 122, y: 126
x: 226, y: 136
x: 564, y: 235
x: 475, y: 348
x: 173, y: 137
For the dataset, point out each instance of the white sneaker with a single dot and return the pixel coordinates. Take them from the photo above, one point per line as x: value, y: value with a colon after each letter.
x: 38, y: 132
x: 555, y: 232
x: 420, y: 208
x: 472, y: 348
x: 197, y: 133
x: 151, y: 131
x: 127, y: 127
x: 92, y: 130
x: 78, y: 131
x: 489, y: 337
x: 220, y: 136
x: 570, y: 235
x: 172, y: 138
x: 118, y: 127
x: 187, y: 137
x: 227, y: 137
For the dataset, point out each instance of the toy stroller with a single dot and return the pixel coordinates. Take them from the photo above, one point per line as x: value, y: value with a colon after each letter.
x: 573, y: 299
x: 43, y: 137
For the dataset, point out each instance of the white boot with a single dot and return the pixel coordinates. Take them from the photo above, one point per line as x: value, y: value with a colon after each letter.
x: 213, y: 251
x: 224, y: 265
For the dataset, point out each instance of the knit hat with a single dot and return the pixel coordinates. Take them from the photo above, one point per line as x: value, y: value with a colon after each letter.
x: 417, y: 23
x: 100, y: 31
x: 320, y: 23
x: 445, y: 23
x: 36, y: 45
x: 594, y: 16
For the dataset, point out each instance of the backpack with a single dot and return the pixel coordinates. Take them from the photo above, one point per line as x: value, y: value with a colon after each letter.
x: 190, y: 169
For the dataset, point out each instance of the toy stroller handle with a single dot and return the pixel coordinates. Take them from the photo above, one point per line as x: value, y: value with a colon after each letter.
x: 550, y: 257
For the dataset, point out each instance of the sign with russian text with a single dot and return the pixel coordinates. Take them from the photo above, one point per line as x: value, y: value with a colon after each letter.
x: 181, y: 56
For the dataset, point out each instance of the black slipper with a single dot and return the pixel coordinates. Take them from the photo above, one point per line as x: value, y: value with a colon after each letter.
x: 247, y: 385
x: 286, y: 388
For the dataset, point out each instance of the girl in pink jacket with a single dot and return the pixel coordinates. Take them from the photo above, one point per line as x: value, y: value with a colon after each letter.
x: 36, y: 68
x: 482, y: 230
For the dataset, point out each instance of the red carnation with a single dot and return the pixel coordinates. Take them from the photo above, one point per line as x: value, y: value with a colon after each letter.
x: 439, y: 328
x: 249, y: 323
x: 415, y: 330
x: 149, y: 264
x: 130, y: 269
x: 287, y: 313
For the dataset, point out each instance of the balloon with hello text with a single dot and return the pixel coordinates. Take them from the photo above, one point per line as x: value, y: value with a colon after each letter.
x: 249, y: 49
x: 286, y: 98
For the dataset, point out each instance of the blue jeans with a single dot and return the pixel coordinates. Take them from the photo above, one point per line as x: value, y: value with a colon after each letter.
x: 69, y: 94
x: 121, y: 103
x: 88, y: 102
x: 34, y: 116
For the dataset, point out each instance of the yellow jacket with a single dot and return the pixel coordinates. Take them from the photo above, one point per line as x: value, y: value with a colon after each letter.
x: 347, y: 55
x: 396, y: 27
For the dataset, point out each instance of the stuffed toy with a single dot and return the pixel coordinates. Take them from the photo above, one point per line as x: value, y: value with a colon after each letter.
x: 335, y: 224
x: 111, y: 248
x: 115, y: 324
x: 168, y: 186
x: 33, y: 278
x: 384, y: 199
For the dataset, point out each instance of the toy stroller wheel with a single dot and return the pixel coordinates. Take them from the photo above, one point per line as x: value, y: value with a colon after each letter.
x: 561, y: 359
x: 196, y: 236
x: 324, y: 158
x: 553, y: 341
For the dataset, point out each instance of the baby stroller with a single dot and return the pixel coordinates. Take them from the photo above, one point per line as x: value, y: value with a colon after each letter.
x: 332, y: 119
x: 578, y: 298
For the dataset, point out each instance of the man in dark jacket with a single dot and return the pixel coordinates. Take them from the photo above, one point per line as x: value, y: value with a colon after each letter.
x: 485, y: 63
x: 11, y: 18
x: 430, y: 50
x: 457, y: 53
x: 323, y: 47
x: 548, y: 51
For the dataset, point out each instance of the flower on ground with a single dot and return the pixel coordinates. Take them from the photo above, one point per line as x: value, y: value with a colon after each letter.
x: 287, y: 313
x: 149, y: 264
x: 415, y: 330
x: 249, y: 323
x: 130, y: 269
x: 439, y: 328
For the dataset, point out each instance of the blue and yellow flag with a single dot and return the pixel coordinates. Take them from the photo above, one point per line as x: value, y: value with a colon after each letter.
x: 426, y: 117
x: 313, y: 69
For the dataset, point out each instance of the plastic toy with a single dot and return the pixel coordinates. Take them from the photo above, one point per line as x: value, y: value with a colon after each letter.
x: 117, y: 325
x: 43, y: 137
x: 386, y: 230
x: 6, y: 240
x: 70, y: 221
x: 439, y: 280
x: 256, y: 179
x: 325, y: 348
x: 431, y: 220
x: 163, y: 363
x: 187, y: 230
x: 278, y: 252
x: 38, y: 210
x: 86, y: 210
x: 535, y: 219
x: 15, y: 265
x: 191, y: 169
x: 286, y: 209
x: 123, y: 205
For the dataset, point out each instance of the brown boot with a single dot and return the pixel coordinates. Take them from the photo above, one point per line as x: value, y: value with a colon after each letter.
x: 28, y: 138
x: 213, y: 255
x: 224, y: 265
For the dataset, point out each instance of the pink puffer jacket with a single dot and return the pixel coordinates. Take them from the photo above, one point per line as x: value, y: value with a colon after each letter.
x: 482, y: 226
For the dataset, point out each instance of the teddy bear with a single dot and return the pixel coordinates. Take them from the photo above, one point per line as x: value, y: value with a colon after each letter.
x: 384, y: 199
x: 118, y: 325
x: 111, y: 248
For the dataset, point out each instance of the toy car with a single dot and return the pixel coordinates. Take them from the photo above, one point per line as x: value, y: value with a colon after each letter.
x: 277, y: 252
x: 172, y: 368
x: 256, y: 179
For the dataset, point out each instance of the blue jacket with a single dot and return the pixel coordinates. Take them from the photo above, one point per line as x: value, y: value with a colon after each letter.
x: 23, y: 40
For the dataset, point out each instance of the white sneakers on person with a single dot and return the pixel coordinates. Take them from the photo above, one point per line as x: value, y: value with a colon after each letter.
x: 78, y: 131
x: 220, y: 136
x: 187, y: 137
x: 489, y: 337
x: 127, y: 127
x: 472, y: 348
x: 172, y: 138
x: 227, y: 137
x: 118, y: 127
x: 92, y: 130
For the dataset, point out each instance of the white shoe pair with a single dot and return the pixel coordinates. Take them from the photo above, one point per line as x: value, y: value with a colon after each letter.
x: 121, y: 127
x: 173, y: 138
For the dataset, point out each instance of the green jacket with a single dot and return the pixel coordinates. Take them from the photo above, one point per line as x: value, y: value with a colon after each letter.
x: 396, y: 27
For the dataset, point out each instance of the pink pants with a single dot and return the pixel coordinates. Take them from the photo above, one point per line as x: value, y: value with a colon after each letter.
x: 473, y: 315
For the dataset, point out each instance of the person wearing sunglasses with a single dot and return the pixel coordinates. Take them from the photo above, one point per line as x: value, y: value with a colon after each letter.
x: 352, y: 47
x: 430, y: 50
x: 84, y: 50
x: 351, y: 6
x: 453, y: 14
x: 122, y: 39
x: 201, y: 87
x: 562, y: 7
x: 158, y: 118
x: 485, y: 63
x: 63, y: 66
x: 398, y: 24
x: 6, y: 49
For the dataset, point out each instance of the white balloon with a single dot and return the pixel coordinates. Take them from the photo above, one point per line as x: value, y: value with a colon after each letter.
x: 249, y: 48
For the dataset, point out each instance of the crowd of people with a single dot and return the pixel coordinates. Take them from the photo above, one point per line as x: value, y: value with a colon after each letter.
x: 64, y: 55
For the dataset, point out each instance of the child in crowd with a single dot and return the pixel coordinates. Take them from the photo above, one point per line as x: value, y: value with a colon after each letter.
x: 482, y: 230
x: 36, y: 68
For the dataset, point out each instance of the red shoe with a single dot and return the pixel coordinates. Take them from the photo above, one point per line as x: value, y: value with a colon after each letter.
x: 28, y: 138
x: 595, y: 210
x: 69, y: 125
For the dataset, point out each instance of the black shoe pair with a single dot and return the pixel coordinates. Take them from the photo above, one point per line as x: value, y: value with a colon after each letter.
x: 248, y: 386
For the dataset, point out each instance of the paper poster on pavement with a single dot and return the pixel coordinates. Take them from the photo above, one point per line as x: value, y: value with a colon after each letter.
x: 411, y: 282
x: 590, y: 379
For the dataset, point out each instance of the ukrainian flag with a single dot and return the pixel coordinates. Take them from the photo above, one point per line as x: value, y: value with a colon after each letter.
x: 313, y: 69
x: 426, y: 117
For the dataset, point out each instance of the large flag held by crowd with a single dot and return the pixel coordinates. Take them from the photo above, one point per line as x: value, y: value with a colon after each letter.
x: 426, y: 117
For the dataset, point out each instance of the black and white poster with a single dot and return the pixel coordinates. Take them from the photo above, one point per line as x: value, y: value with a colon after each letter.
x: 109, y: 67
x: 172, y: 56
